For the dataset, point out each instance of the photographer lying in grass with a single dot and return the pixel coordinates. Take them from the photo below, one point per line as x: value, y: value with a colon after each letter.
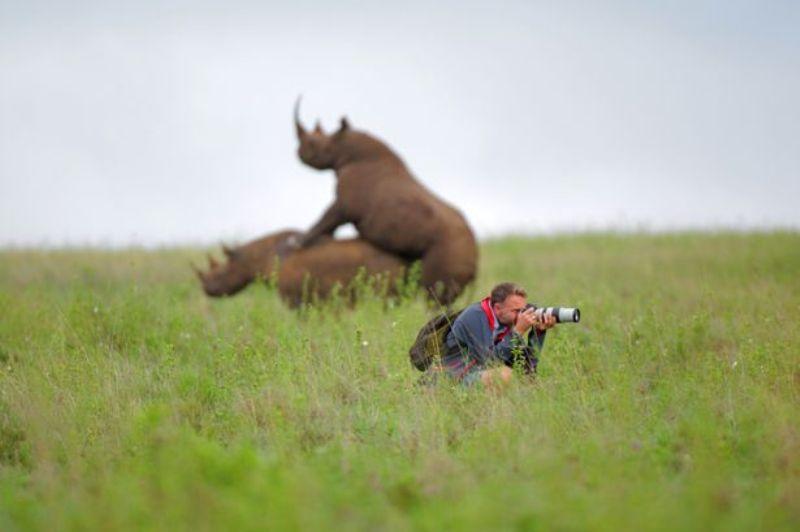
x: 486, y: 340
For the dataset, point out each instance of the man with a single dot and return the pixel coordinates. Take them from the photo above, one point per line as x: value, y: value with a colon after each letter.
x: 487, y: 338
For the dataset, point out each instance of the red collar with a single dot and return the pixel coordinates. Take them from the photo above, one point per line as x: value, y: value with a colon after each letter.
x: 487, y: 309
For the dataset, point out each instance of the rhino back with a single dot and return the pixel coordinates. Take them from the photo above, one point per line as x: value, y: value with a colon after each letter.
x: 394, y: 211
x: 330, y: 263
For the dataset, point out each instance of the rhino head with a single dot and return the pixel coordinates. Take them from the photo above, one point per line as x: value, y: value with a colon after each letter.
x: 243, y: 264
x: 320, y: 150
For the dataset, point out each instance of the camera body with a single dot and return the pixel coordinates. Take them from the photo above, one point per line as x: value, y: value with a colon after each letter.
x: 562, y: 314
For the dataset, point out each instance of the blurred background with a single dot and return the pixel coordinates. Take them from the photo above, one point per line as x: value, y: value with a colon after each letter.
x: 162, y: 123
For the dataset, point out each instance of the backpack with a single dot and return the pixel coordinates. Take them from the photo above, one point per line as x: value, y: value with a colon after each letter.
x: 430, y: 342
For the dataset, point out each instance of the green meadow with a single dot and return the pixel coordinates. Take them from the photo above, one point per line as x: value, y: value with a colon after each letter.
x: 130, y: 400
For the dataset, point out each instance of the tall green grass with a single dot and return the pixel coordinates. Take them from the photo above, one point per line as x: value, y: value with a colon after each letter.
x: 129, y: 400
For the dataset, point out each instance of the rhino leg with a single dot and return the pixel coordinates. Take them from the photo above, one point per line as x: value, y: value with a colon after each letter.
x: 331, y: 219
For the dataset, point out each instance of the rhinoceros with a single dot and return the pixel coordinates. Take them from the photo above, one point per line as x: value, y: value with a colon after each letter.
x: 303, y: 273
x: 391, y: 210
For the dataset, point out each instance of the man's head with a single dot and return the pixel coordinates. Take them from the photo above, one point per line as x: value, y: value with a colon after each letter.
x: 508, y: 300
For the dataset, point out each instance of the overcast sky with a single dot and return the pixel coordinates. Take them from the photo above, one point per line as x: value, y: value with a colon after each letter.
x: 170, y: 122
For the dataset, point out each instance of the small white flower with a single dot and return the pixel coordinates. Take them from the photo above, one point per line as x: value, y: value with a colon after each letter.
x: 735, y: 363
x: 365, y: 343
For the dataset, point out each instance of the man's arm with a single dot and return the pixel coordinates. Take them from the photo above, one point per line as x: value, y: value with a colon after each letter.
x: 472, y: 335
x: 511, y: 342
x: 513, y: 345
x: 536, y: 339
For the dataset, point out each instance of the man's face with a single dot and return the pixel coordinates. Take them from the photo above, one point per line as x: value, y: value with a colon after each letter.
x: 508, y: 310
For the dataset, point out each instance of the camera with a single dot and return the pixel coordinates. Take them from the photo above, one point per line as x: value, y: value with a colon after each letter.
x: 562, y: 314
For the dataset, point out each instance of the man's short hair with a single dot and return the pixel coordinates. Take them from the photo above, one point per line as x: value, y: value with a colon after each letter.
x: 501, y: 292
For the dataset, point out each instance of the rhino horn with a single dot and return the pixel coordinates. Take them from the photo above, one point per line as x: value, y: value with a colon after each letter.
x: 318, y: 127
x: 301, y: 132
x: 212, y: 263
x: 229, y: 252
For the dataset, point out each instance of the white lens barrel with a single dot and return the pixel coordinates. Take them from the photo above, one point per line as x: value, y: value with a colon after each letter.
x: 562, y: 314
x: 568, y: 315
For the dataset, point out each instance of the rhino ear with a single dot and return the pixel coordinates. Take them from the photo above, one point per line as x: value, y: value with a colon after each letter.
x: 230, y: 252
x: 344, y: 125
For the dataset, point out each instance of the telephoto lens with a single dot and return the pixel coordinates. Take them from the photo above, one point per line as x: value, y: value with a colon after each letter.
x: 562, y: 314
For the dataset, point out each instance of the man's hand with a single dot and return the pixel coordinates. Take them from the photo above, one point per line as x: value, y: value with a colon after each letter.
x: 528, y: 318
x: 525, y: 320
x: 545, y: 322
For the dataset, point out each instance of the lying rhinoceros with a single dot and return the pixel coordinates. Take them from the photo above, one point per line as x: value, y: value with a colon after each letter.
x: 302, y: 273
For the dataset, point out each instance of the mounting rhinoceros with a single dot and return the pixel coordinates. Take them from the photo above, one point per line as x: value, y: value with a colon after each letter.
x: 389, y: 207
x: 302, y: 273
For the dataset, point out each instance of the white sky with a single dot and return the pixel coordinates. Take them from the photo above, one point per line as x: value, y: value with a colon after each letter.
x: 170, y: 122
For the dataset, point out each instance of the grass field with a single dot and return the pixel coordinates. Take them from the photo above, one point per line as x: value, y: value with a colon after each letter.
x: 129, y: 400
